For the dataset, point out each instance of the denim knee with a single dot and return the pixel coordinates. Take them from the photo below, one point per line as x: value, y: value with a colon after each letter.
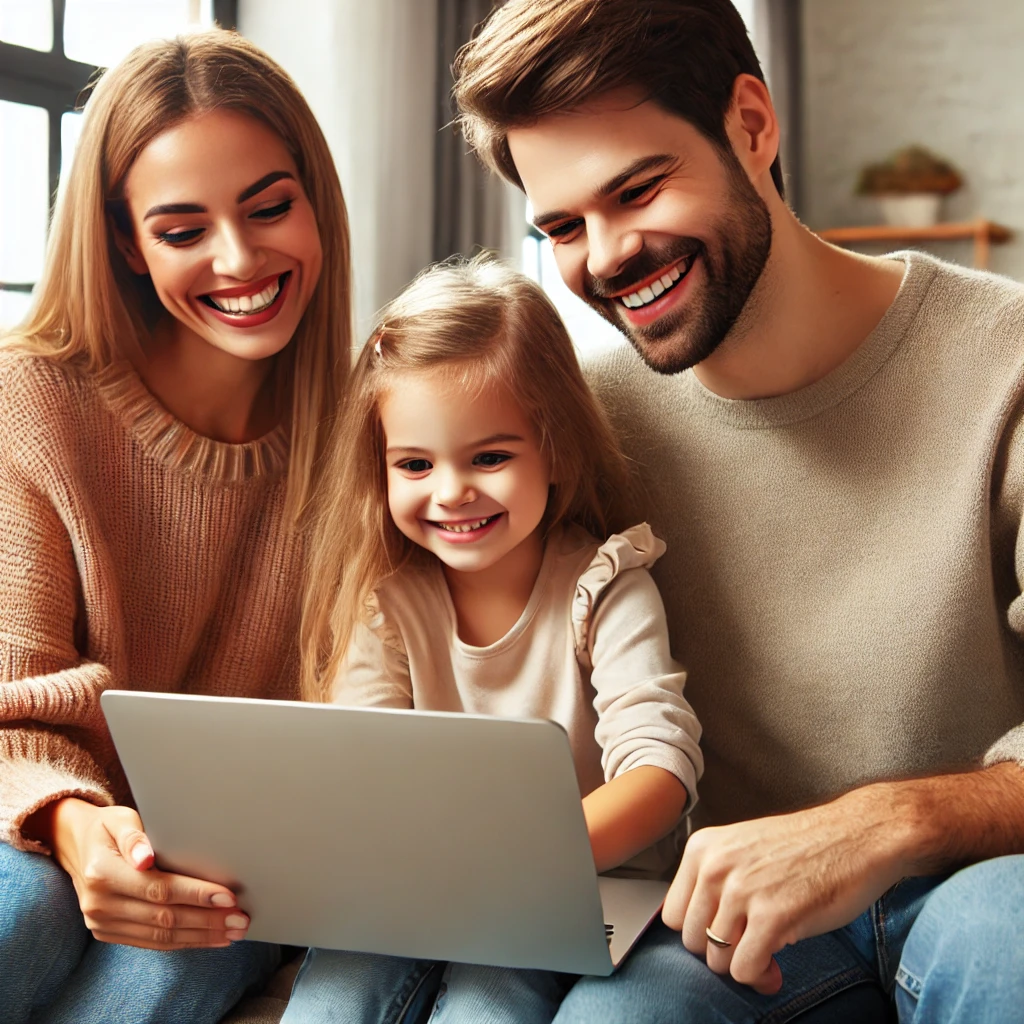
x: 42, y: 934
x: 961, y: 960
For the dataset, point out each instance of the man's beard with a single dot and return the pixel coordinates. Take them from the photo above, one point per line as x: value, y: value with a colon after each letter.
x: 740, y: 243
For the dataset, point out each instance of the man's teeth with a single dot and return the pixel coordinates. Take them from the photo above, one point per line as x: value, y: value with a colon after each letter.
x: 650, y: 292
x: 465, y: 527
x: 249, y: 304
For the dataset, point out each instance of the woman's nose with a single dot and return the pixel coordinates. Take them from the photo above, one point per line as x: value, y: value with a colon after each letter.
x: 236, y: 256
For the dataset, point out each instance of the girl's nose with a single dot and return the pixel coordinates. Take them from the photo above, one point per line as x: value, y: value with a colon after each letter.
x: 451, y: 489
x: 235, y: 255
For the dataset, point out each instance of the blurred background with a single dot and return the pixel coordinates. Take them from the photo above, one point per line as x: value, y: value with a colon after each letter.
x: 855, y: 83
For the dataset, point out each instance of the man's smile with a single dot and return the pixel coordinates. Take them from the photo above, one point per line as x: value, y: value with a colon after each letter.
x: 656, y: 285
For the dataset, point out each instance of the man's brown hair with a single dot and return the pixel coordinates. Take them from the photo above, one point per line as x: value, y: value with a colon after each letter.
x: 538, y: 57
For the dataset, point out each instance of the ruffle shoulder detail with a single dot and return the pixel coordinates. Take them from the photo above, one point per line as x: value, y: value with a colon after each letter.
x: 635, y: 548
x: 378, y: 624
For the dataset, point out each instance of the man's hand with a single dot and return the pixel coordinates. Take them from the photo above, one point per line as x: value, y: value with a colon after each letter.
x: 123, y: 897
x: 764, y: 884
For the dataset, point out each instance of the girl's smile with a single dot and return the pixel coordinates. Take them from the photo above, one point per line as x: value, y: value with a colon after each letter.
x: 466, y: 477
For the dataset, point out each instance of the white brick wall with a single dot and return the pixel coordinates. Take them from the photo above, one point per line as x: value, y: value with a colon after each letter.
x: 949, y: 74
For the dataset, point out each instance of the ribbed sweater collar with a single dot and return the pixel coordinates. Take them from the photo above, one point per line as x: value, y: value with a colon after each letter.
x: 847, y: 378
x: 176, y: 445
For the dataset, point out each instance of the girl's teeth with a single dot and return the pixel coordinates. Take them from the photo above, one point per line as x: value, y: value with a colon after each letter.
x: 463, y: 527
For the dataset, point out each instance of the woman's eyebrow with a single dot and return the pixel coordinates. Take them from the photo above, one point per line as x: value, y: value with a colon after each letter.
x: 155, y: 211
x: 265, y: 182
x: 247, y: 193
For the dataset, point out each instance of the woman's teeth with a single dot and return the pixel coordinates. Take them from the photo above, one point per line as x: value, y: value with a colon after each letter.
x: 248, y: 304
x: 466, y: 527
x: 657, y: 288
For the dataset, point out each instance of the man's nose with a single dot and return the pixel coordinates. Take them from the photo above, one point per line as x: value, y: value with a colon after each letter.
x: 610, y: 249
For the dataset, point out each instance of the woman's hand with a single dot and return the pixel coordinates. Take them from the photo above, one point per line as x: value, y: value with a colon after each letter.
x: 123, y: 897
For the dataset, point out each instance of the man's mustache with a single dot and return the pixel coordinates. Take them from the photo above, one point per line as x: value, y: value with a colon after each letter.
x: 641, y: 266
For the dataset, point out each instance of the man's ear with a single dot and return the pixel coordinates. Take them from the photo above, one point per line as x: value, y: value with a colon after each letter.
x: 128, y: 249
x: 752, y: 126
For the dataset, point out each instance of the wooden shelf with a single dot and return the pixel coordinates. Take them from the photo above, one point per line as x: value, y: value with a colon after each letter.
x: 984, y: 233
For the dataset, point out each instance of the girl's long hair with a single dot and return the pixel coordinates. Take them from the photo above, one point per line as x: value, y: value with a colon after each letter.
x: 89, y: 308
x: 477, y: 322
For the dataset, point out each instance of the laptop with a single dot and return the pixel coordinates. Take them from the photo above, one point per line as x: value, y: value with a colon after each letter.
x: 410, y: 833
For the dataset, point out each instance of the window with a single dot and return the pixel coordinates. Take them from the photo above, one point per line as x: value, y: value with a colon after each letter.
x: 49, y: 50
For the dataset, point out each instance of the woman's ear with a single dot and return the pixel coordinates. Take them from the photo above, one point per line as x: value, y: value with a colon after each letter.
x: 128, y: 249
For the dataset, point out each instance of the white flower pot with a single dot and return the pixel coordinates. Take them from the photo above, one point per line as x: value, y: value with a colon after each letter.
x: 913, y: 210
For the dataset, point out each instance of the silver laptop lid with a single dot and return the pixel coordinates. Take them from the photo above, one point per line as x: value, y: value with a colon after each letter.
x: 420, y: 834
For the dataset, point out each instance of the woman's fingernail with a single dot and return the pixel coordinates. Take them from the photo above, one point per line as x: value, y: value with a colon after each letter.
x: 222, y: 899
x: 236, y: 921
x: 234, y: 936
x: 140, y: 854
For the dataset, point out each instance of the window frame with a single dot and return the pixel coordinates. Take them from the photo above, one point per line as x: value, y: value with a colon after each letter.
x: 55, y: 82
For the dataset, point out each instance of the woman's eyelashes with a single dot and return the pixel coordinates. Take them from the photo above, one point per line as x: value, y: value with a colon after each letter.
x: 265, y: 213
x: 270, y: 212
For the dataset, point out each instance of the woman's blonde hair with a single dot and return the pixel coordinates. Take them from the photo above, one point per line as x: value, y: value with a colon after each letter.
x: 90, y: 308
x: 476, y: 322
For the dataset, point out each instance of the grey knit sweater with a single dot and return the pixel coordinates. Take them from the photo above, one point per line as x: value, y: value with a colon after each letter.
x: 845, y: 563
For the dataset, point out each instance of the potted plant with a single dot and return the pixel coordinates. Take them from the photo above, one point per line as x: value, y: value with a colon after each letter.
x: 910, y: 186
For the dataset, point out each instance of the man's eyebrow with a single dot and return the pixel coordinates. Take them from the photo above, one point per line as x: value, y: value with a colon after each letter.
x: 644, y: 163
x: 265, y: 182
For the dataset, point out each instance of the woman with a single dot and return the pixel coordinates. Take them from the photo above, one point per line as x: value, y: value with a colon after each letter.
x: 162, y: 410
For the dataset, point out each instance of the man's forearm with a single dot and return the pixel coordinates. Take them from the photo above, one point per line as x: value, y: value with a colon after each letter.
x: 960, y: 818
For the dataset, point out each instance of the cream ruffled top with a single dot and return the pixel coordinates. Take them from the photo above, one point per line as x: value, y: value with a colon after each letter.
x: 590, y: 651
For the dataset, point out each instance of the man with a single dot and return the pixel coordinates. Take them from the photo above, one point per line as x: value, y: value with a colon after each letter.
x: 832, y: 448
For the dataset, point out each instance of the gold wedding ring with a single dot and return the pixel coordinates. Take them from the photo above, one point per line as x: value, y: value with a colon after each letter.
x: 715, y: 940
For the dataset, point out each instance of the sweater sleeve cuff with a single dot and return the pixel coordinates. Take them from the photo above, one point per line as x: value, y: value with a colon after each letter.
x: 28, y: 786
x: 1009, y: 747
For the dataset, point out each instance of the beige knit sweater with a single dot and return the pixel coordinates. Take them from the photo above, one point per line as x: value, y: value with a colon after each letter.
x: 844, y: 569
x: 133, y: 554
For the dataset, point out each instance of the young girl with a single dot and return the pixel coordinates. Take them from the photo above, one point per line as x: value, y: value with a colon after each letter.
x: 162, y: 411
x: 462, y: 562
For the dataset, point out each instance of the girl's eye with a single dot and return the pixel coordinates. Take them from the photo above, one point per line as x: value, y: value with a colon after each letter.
x: 490, y: 459
x: 270, y: 212
x: 415, y: 465
x: 180, y: 237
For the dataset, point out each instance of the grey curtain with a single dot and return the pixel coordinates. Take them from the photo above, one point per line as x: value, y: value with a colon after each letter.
x: 471, y: 208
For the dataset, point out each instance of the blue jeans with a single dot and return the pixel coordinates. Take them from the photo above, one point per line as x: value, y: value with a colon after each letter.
x: 366, y: 988
x: 930, y: 951
x: 52, y: 971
